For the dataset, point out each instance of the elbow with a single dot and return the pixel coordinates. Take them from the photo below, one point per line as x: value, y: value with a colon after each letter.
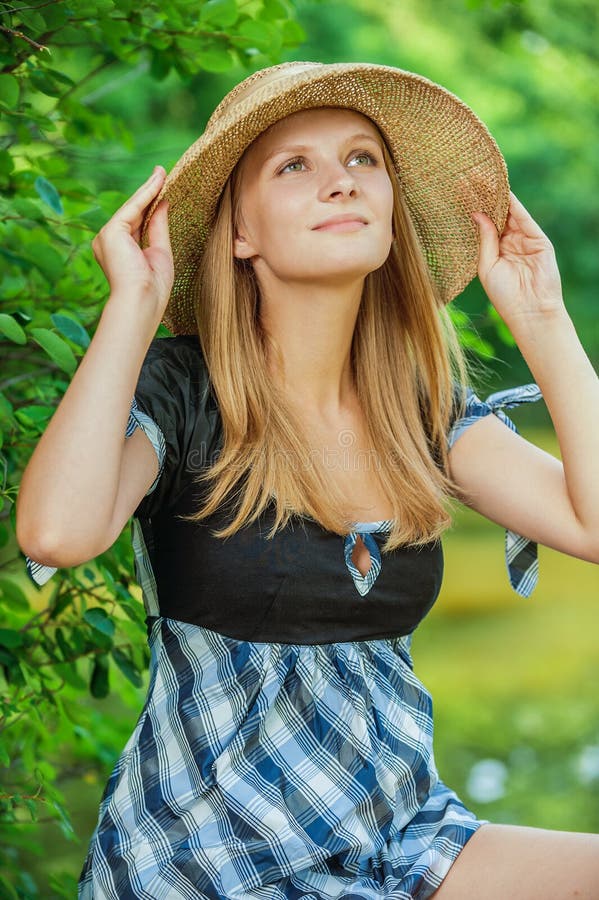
x: 43, y: 553
x: 49, y: 548
x: 37, y: 547
x: 58, y: 554
x: 57, y: 557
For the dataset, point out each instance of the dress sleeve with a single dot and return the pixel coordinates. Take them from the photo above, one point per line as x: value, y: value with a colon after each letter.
x: 521, y: 554
x: 160, y: 407
x: 174, y: 406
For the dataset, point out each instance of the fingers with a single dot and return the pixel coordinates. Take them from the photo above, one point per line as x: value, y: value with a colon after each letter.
x: 128, y: 218
x: 158, y: 232
x: 523, y: 219
x: 131, y: 212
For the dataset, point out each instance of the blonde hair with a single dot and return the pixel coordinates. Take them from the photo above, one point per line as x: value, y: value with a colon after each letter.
x: 408, y: 366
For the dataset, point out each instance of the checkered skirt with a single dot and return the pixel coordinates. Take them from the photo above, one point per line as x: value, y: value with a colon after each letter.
x: 265, y: 771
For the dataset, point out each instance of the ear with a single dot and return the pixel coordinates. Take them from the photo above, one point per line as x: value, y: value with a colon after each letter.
x: 242, y: 247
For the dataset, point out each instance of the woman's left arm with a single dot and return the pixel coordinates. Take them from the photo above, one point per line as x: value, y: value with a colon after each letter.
x: 503, y: 476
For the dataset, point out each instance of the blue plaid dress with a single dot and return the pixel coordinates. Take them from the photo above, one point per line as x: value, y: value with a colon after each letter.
x: 277, y: 770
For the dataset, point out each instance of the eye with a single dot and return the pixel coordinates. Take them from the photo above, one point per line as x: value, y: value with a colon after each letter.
x: 363, y: 154
x: 292, y: 162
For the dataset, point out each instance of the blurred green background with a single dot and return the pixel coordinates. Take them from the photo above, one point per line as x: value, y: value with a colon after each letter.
x: 514, y: 680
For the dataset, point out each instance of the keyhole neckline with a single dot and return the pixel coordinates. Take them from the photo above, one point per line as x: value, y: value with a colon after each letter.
x: 365, y: 530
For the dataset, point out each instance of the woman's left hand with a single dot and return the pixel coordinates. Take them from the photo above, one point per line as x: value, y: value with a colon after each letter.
x: 518, y: 270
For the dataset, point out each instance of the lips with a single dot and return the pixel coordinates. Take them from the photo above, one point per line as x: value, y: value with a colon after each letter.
x: 337, y: 220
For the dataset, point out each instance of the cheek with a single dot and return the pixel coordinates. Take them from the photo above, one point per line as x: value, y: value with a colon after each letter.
x: 388, y: 194
x: 283, y: 216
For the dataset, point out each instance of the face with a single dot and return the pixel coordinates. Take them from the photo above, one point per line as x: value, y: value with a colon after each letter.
x: 309, y: 167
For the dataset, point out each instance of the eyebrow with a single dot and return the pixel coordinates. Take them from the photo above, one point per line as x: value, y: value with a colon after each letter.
x: 300, y: 148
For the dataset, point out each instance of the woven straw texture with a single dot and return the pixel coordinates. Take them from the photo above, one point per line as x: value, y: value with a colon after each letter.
x: 447, y: 162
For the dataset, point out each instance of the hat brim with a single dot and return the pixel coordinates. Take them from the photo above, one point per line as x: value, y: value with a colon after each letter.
x: 448, y: 164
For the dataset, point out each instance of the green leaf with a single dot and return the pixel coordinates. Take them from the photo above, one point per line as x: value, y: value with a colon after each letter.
x: 48, y: 194
x: 292, y: 33
x: 59, y: 604
x: 32, y: 19
x: 4, y: 757
x: 52, y: 165
x: 274, y: 9
x: 474, y: 342
x: 13, y: 595
x: 503, y: 332
x: 10, y: 638
x: 262, y: 35
x: 6, y: 410
x: 8, y: 891
x: 41, y: 80
x: 63, y: 645
x: 63, y: 818
x: 71, y: 328
x: 16, y: 260
x: 6, y: 658
x: 12, y: 286
x: 135, y: 612
x: 220, y: 13
x: 46, y: 259
x: 107, y: 576
x: 6, y: 160
x: 98, y: 618
x: 64, y: 884
x: 56, y: 349
x: 32, y: 807
x: 160, y: 64
x: 11, y: 329
x: 35, y: 416
x: 216, y: 60
x: 126, y: 667
x: 9, y: 90
x: 62, y: 77
x: 95, y: 217
x: 68, y: 671
x: 55, y: 16
x: 96, y: 7
x: 99, y: 682
x: 28, y: 209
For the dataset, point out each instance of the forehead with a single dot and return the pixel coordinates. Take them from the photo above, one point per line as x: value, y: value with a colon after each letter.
x: 309, y: 124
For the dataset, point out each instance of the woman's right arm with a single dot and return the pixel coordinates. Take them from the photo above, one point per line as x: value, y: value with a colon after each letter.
x: 84, y: 476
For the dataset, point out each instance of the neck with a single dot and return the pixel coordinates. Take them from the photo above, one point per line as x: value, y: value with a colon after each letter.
x: 313, y: 327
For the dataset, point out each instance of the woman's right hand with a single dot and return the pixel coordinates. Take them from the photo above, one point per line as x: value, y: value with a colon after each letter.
x: 129, y: 269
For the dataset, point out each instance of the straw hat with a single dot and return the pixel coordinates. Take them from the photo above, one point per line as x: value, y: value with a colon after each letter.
x: 447, y: 162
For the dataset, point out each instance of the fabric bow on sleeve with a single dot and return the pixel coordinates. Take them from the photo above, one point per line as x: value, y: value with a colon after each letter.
x: 521, y: 554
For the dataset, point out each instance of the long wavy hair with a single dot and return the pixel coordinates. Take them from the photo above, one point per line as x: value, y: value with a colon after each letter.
x: 409, y: 370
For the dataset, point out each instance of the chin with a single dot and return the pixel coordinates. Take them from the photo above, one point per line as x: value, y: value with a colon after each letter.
x: 350, y: 262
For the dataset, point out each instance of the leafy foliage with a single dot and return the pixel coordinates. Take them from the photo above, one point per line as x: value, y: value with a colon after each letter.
x: 91, y: 624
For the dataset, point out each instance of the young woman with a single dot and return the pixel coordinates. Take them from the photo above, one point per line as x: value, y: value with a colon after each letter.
x: 290, y: 459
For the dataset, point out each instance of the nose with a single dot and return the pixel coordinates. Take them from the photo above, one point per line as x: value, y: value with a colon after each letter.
x: 337, y: 181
